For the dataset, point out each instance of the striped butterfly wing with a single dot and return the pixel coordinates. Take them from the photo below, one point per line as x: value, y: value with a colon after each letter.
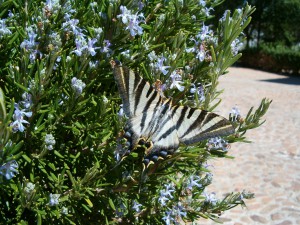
x: 194, y: 125
x: 156, y: 120
x: 146, y: 109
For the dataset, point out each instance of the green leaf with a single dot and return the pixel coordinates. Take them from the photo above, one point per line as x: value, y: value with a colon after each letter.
x: 58, y: 154
x: 89, y: 202
x: 86, y: 208
x: 26, y: 158
x: 111, y: 203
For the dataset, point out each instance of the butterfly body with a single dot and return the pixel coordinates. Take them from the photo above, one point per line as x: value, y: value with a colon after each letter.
x: 155, y: 121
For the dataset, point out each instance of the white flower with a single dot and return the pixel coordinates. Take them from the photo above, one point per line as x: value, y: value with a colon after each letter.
x: 77, y: 85
x: 236, y: 45
x: 29, y: 187
x: 54, y: 199
x: 49, y: 141
x: 235, y: 113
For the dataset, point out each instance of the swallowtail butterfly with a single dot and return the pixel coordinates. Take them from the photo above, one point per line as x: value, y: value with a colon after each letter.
x: 155, y: 122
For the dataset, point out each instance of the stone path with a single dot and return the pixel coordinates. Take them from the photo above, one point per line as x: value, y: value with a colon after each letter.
x: 270, y: 166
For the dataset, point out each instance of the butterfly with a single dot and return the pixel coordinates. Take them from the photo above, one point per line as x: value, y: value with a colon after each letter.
x: 154, y: 121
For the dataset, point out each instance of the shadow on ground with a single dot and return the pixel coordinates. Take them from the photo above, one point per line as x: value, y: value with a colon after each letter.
x: 286, y: 80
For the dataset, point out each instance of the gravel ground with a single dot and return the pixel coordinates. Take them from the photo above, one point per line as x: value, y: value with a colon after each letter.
x: 270, y: 165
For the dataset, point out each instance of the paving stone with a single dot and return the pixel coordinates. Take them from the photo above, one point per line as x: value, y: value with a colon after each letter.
x: 295, y: 186
x: 277, y: 216
x: 269, y: 166
x: 286, y: 222
x: 269, y: 209
x: 275, y: 184
x: 259, y: 219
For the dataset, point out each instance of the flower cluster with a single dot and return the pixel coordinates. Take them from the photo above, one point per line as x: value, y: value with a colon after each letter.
x: 201, y: 39
x: 205, y: 10
x: 51, y: 7
x: 198, y: 91
x: 175, y: 214
x: 132, y: 21
x: 49, y: 141
x: 236, y: 46
x: 29, y: 187
x: 210, y: 198
x: 157, y: 63
x: 31, y: 45
x: 166, y: 194
x: 217, y: 143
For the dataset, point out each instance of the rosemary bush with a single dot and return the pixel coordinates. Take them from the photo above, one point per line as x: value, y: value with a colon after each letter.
x: 61, y: 118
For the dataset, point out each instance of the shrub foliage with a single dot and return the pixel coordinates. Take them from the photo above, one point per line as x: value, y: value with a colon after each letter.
x: 61, y: 121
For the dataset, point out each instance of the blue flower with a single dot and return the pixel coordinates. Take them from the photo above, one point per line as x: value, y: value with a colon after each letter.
x: 168, y: 218
x: 136, y: 206
x: 202, y: 3
x: 179, y: 211
x: 166, y: 194
x: 9, y: 169
x: 71, y: 25
x: 3, y: 29
x: 204, y: 33
x: 207, y: 10
x: 210, y: 198
x: 176, y: 81
x: 193, y: 181
x: 81, y: 45
x: 10, y: 14
x: 199, y: 91
x: 91, y: 48
x: 160, y: 67
x: 106, y: 48
x: 133, y: 25
x: 52, y: 5
x: 30, y: 44
x: 125, y: 15
x: 120, y: 211
x: 18, y: 117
